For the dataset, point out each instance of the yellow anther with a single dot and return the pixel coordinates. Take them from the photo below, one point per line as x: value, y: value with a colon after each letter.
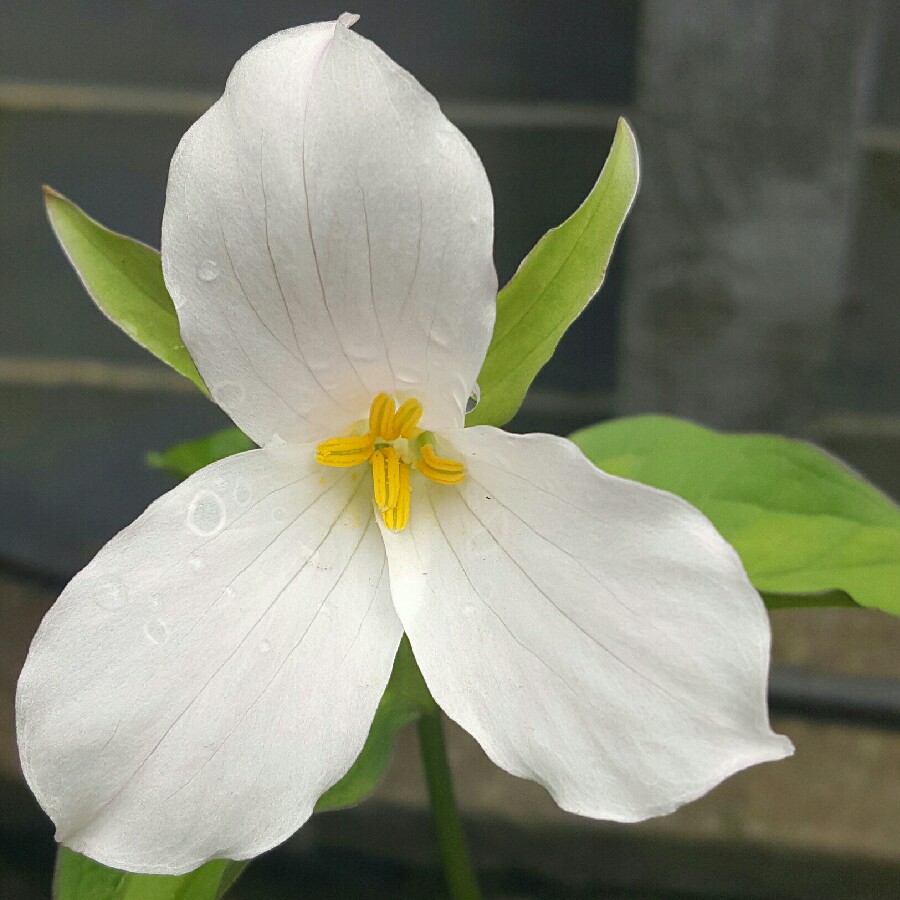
x: 381, y: 417
x: 391, y: 440
x: 407, y: 417
x: 386, y: 468
x: 392, y: 466
x: 345, y: 452
x: 396, y: 517
x: 439, y: 468
x: 379, y: 479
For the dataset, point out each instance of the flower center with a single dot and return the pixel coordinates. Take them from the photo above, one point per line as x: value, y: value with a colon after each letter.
x: 394, y: 445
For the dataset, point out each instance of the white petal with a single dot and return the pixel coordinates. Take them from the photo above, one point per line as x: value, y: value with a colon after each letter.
x: 593, y: 634
x: 328, y: 235
x: 216, y: 667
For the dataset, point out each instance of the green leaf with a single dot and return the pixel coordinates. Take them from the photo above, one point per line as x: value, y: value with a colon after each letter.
x: 553, y: 285
x: 183, y: 460
x: 810, y: 531
x: 80, y: 878
x: 124, y: 278
x: 405, y: 699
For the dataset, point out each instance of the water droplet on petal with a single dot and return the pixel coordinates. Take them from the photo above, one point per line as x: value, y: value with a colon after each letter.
x: 468, y: 610
x: 196, y: 563
x: 279, y: 514
x: 206, y: 514
x: 156, y: 631
x: 327, y: 611
x: 228, y: 393
x: 474, y: 398
x: 242, y: 491
x: 265, y: 646
x: 111, y: 596
x: 208, y: 270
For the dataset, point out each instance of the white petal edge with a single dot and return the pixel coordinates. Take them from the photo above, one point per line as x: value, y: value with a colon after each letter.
x: 593, y: 634
x: 214, y: 670
x: 328, y: 235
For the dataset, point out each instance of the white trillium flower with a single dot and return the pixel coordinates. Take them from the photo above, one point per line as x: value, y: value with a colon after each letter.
x: 197, y: 687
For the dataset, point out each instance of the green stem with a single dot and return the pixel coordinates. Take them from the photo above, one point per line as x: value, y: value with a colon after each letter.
x: 451, y: 839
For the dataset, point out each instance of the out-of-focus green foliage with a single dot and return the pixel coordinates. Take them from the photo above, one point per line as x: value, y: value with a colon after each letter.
x: 80, y: 878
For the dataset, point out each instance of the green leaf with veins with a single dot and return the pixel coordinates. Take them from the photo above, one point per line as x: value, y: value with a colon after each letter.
x: 809, y: 530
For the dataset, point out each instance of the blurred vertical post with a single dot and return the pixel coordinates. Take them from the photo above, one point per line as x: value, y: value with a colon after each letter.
x: 747, y: 113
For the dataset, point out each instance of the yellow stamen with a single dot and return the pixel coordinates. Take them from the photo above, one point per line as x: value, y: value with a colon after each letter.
x: 391, y: 484
x: 381, y: 417
x: 407, y: 417
x: 397, y: 517
x: 345, y: 452
x: 392, y: 476
x: 379, y: 479
x: 438, y: 468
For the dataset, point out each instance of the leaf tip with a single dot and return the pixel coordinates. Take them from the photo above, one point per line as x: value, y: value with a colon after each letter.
x: 50, y: 195
x: 625, y: 134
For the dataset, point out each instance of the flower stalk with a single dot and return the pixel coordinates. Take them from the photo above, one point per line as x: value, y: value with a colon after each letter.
x: 451, y: 839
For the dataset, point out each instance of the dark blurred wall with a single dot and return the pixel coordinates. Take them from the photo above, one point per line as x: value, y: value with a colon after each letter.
x: 751, y: 116
x: 763, y: 267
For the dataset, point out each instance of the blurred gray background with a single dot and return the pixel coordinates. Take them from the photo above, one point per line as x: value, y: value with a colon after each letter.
x: 754, y: 287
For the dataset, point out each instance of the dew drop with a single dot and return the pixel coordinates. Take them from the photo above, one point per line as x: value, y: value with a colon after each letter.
x: 474, y: 398
x: 323, y: 558
x: 481, y: 545
x: 279, y: 514
x: 241, y: 491
x: 230, y: 610
x: 196, y: 563
x: 327, y: 611
x: 228, y: 393
x: 111, y: 596
x: 468, y: 610
x: 265, y: 646
x: 206, y: 514
x: 156, y: 631
x: 208, y: 270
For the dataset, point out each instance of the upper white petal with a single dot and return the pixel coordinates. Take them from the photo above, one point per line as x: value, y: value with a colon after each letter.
x: 593, y: 634
x: 214, y: 670
x: 328, y: 235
